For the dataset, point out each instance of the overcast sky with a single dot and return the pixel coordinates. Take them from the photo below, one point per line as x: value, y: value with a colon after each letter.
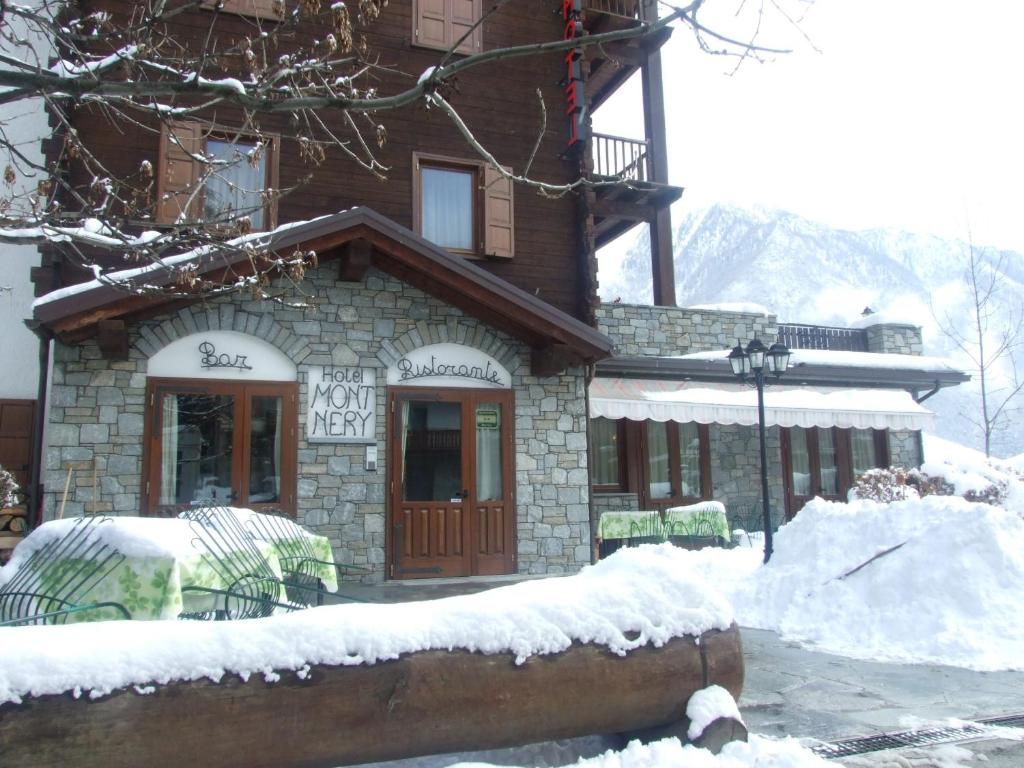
x: 909, y: 115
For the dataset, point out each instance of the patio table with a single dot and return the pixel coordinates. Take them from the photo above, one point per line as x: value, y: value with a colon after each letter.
x: 677, y: 518
x: 160, y: 561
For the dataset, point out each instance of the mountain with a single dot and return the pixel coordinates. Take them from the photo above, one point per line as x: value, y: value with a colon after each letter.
x: 806, y: 272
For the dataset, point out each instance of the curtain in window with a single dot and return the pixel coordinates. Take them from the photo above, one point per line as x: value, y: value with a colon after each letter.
x: 447, y: 207
x: 801, y: 462
x: 488, y: 452
x: 604, y: 451
x: 689, y: 458
x: 657, y: 460
x: 829, y: 465
x: 864, y: 458
x: 169, y: 450
x: 235, y: 187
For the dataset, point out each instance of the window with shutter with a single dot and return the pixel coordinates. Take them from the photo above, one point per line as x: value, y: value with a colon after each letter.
x: 463, y: 205
x: 216, y: 176
x: 442, y: 23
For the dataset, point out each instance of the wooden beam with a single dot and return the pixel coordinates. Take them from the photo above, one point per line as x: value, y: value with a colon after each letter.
x: 553, y: 360
x: 112, y: 337
x: 623, y: 210
x: 424, y: 703
x: 355, y: 257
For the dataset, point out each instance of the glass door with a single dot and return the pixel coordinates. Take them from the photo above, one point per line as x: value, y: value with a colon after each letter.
x: 450, y: 506
x: 816, y: 462
x: 222, y: 443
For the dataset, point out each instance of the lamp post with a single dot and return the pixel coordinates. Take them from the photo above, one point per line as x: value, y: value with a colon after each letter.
x: 749, y: 366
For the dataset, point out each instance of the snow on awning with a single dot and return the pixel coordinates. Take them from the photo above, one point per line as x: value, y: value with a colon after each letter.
x: 785, y: 406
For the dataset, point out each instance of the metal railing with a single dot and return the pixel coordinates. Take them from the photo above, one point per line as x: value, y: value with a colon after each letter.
x: 797, y: 336
x: 627, y: 9
x: 619, y: 158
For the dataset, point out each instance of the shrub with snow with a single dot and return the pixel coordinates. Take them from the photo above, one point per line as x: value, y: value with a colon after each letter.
x: 899, y: 484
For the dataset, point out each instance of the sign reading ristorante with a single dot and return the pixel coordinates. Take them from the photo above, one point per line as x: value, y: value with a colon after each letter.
x: 449, y: 365
x: 342, y: 405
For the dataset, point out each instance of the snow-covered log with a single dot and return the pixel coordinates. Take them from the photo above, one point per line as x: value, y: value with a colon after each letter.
x: 423, y: 703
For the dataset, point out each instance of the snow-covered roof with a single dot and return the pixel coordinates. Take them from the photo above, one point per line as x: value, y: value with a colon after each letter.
x: 825, y: 357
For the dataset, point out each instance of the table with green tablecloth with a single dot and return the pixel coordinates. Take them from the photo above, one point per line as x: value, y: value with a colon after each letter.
x: 628, y: 524
x: 685, y: 520
x: 162, y: 560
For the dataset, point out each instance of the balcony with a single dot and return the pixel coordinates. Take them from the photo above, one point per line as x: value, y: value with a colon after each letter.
x: 612, y: 64
x: 630, y: 197
x: 823, y: 337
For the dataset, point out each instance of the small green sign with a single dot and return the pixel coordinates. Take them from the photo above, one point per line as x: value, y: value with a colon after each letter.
x: 486, y: 419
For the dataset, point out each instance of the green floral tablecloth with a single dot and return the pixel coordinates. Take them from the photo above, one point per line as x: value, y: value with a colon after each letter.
x: 626, y: 524
x: 682, y: 520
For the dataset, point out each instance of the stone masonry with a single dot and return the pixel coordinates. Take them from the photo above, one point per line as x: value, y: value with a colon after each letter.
x: 97, y: 412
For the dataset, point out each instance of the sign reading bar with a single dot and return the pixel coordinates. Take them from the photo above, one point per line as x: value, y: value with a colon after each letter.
x: 342, y: 405
x: 448, y: 365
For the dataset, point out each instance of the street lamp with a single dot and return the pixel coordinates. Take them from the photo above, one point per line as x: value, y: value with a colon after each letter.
x: 749, y: 366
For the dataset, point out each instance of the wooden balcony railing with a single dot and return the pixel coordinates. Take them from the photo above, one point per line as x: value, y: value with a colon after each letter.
x: 626, y: 9
x: 616, y: 157
x: 823, y: 337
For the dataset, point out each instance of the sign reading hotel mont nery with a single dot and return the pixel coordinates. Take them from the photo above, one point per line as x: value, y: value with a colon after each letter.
x: 342, y: 405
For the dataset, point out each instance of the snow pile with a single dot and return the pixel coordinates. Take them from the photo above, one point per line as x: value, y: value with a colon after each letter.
x: 937, y: 579
x: 968, y: 470
x: 706, y: 706
x: 759, y: 752
x: 644, y: 596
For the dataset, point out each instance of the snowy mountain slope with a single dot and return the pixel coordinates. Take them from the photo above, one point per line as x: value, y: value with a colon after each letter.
x: 809, y: 273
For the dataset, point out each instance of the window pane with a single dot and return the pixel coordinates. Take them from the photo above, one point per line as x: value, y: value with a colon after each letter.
x: 689, y: 457
x: 827, y: 457
x: 488, y: 452
x: 432, y: 451
x: 235, y: 187
x: 197, y: 433
x: 448, y: 207
x: 801, y: 461
x: 265, y: 450
x: 604, y: 449
x: 864, y: 457
x: 657, y: 460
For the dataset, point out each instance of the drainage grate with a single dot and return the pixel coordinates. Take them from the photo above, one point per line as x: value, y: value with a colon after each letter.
x: 921, y: 738
x: 1006, y: 721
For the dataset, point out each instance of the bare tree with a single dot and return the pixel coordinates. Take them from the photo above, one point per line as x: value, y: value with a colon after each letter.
x: 134, y: 70
x: 989, y: 342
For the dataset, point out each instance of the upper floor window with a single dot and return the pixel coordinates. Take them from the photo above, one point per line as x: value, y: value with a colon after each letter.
x: 216, y: 176
x: 463, y: 205
x: 443, y: 23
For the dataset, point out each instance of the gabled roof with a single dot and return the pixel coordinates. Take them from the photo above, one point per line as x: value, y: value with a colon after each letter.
x: 74, y: 312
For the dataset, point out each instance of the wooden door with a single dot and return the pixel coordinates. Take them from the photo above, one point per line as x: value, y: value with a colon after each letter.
x: 16, y: 425
x: 451, y: 502
x: 816, y: 463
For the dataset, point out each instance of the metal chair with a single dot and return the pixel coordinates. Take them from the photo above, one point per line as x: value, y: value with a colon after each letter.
x: 56, y: 580
x: 649, y: 530
x: 299, y: 562
x: 251, y: 587
x: 696, y: 533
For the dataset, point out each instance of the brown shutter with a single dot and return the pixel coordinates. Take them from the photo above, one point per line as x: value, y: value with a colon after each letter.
x: 430, y: 23
x: 499, y: 216
x: 178, y: 174
x: 464, y: 14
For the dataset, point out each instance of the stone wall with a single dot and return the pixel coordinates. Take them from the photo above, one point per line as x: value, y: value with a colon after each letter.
x: 736, y: 471
x: 98, y: 410
x: 655, y: 331
x: 894, y: 338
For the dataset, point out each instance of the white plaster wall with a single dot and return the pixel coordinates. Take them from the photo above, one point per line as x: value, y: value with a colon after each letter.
x: 24, y: 124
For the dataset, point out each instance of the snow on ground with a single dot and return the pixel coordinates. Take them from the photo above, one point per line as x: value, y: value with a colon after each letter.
x: 641, y: 597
